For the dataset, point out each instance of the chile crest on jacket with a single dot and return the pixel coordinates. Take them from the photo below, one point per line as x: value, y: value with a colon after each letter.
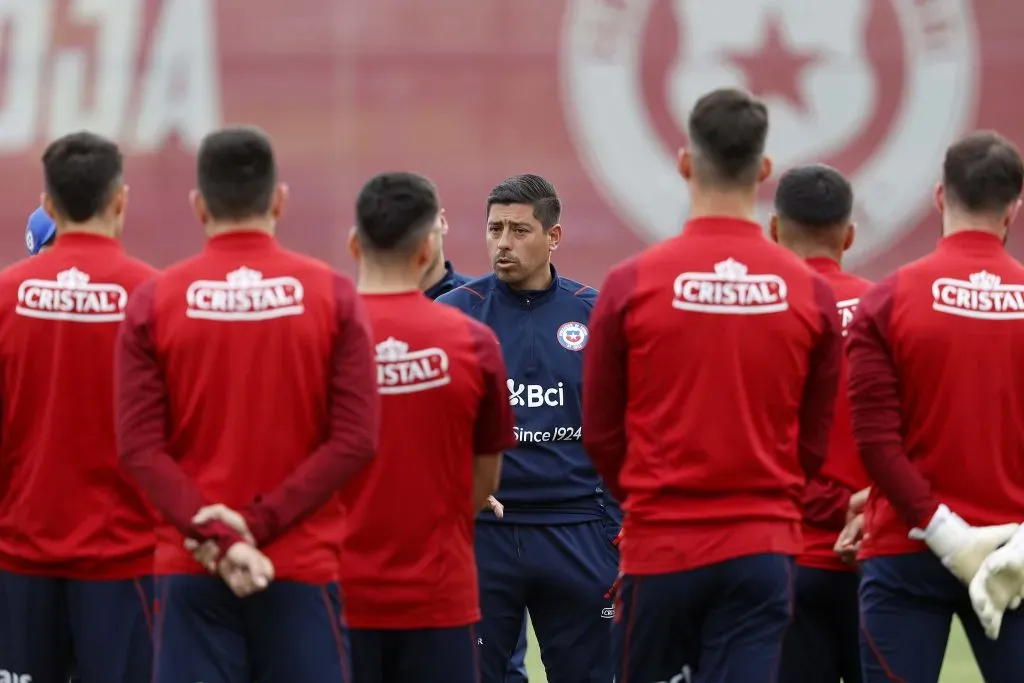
x: 244, y: 295
x: 71, y: 296
x: 982, y: 295
x: 401, y: 371
x: 730, y: 290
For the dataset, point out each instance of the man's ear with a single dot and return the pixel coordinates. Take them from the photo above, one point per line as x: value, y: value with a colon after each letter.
x: 48, y: 206
x: 773, y: 227
x: 119, y: 202
x: 279, y: 201
x: 685, y: 163
x: 766, y: 169
x: 1011, y: 214
x: 851, y: 236
x: 353, y: 245
x: 554, y: 235
x: 940, y: 198
x: 198, y: 204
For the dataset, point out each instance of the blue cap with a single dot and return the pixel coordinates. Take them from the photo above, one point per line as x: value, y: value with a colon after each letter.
x: 39, y: 231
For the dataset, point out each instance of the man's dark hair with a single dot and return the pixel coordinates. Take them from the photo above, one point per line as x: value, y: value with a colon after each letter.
x: 395, y: 211
x: 983, y: 173
x: 82, y: 172
x: 727, y: 131
x: 529, y: 189
x: 814, y: 197
x: 236, y: 173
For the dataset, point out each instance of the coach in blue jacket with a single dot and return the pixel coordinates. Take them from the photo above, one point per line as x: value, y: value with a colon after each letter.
x: 552, y: 551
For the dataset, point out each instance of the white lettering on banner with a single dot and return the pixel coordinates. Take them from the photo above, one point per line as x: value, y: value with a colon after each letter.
x: 244, y: 296
x: 730, y: 290
x: 981, y: 296
x: 177, y: 91
x: 70, y: 296
x: 536, y: 395
x: 847, y: 308
x: 401, y: 371
x: 11, y: 677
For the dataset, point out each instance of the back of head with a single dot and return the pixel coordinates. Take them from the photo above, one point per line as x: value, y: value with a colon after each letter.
x: 531, y: 190
x: 727, y: 130
x: 83, y: 172
x: 982, y: 174
x: 237, y: 174
x: 814, y: 200
x: 395, y: 214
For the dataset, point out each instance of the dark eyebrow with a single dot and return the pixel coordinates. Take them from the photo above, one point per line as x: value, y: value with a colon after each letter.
x: 514, y: 224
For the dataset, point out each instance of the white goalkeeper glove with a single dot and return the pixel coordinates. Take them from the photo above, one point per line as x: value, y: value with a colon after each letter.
x: 962, y: 547
x: 999, y: 585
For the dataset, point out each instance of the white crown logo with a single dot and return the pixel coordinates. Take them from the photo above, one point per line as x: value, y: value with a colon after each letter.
x: 985, y: 280
x: 72, y: 277
x: 244, y: 277
x: 730, y: 269
x: 391, y: 350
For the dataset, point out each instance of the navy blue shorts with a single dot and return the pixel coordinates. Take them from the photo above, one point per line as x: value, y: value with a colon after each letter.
x: 562, y: 574
x: 907, y: 605
x: 823, y: 643
x: 723, y: 623
x: 432, y: 655
x: 287, y: 633
x: 102, y: 629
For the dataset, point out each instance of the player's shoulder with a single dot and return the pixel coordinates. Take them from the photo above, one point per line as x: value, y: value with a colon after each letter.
x: 575, y: 290
x: 21, y: 269
x: 469, y: 295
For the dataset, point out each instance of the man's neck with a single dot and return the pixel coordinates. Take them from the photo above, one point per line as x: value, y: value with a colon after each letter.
x: 433, y: 276
x: 809, y: 251
x: 94, y: 227
x: 377, y: 279
x: 265, y: 225
x: 741, y: 204
x: 953, y: 223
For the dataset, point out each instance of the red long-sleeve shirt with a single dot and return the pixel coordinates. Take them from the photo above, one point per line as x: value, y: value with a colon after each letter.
x: 827, y: 497
x: 66, y: 508
x: 937, y: 391
x: 708, y: 391
x: 444, y: 401
x: 245, y: 376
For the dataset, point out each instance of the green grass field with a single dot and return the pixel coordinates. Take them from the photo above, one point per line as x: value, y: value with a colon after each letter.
x: 959, y: 668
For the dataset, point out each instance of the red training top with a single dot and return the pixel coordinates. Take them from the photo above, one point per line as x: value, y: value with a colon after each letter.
x: 827, y: 497
x: 407, y: 557
x: 708, y: 389
x: 245, y: 376
x: 66, y: 509
x: 937, y: 391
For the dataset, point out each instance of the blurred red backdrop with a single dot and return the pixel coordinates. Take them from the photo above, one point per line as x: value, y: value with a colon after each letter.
x: 590, y: 93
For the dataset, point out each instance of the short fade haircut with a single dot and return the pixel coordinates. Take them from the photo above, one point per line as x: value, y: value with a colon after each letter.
x: 983, y: 173
x: 236, y: 173
x: 395, y: 211
x: 82, y: 172
x: 529, y: 189
x: 814, y: 197
x: 727, y: 132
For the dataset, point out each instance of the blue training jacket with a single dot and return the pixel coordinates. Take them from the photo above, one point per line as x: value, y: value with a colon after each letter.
x: 450, y: 281
x: 548, y: 477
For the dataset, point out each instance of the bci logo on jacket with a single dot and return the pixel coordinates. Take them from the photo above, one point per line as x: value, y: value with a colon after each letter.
x: 535, y: 395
